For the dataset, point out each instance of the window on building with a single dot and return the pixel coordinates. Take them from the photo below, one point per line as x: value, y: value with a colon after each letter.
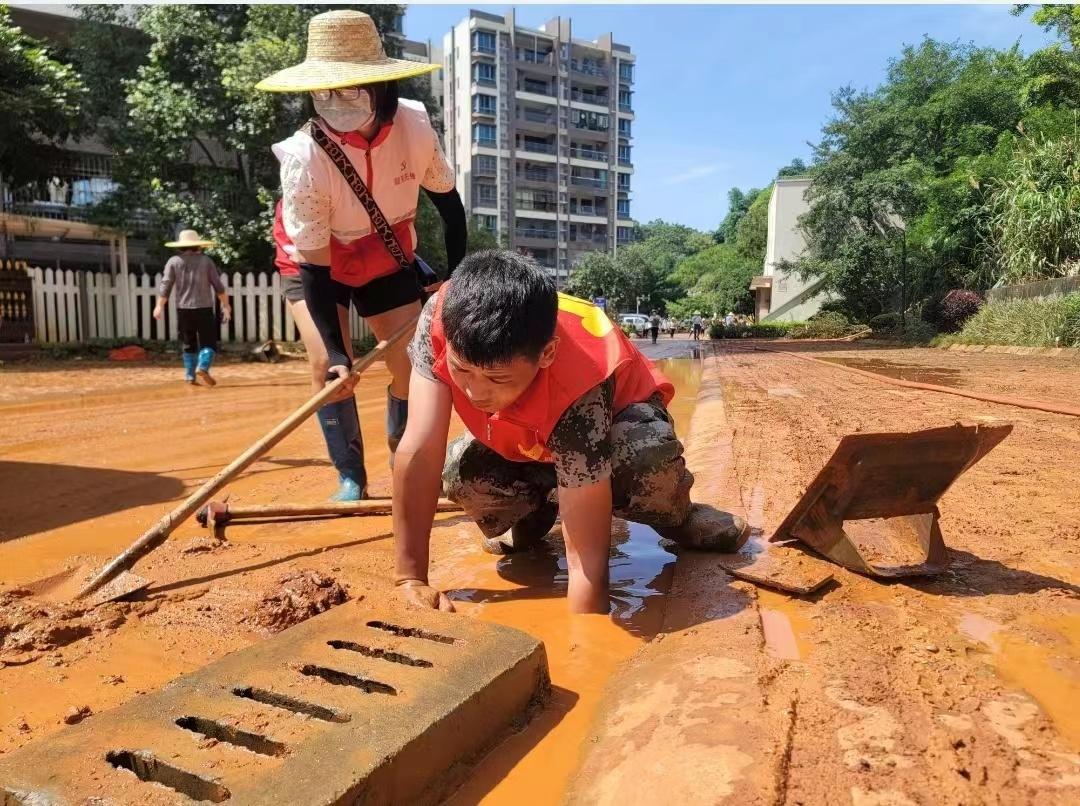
x: 626, y: 71
x: 484, y: 134
x: 483, y: 104
x: 484, y: 41
x: 624, y: 154
x: 624, y: 99
x: 623, y: 208
x: 624, y: 182
x: 624, y: 127
x: 483, y: 73
x: 486, y: 195
x: 485, y: 164
x: 488, y: 222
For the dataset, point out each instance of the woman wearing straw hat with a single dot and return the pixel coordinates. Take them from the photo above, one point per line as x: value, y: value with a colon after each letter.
x: 344, y: 228
x: 195, y: 279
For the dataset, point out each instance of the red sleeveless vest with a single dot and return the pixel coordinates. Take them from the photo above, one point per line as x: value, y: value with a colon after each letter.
x: 591, y: 349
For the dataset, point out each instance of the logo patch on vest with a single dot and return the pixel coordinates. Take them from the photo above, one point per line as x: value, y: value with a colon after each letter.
x: 536, y: 452
x: 405, y: 176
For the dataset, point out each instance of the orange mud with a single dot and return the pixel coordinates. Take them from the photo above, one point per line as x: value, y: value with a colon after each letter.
x: 958, y: 689
x: 97, y: 469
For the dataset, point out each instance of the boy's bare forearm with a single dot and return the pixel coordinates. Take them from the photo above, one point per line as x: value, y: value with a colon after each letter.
x: 417, y: 484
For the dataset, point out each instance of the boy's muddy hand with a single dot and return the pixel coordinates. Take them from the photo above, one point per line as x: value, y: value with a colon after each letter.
x: 418, y: 594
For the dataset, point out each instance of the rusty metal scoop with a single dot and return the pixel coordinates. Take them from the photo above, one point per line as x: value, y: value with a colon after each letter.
x: 873, y: 507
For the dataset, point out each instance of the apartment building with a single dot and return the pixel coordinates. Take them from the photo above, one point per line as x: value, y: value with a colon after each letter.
x: 427, y: 52
x: 539, y: 128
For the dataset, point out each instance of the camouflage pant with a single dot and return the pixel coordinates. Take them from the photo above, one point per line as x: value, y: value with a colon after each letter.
x: 649, y: 480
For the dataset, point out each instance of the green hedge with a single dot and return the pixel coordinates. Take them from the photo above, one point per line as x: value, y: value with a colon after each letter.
x: 1053, y: 322
x: 762, y: 330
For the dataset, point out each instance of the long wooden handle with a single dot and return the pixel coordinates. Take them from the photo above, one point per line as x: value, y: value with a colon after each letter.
x: 157, y: 534
x: 368, y: 506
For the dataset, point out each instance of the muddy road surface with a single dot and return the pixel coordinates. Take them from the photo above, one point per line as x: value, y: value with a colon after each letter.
x: 960, y: 689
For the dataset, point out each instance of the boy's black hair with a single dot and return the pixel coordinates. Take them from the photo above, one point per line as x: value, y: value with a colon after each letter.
x: 499, y: 305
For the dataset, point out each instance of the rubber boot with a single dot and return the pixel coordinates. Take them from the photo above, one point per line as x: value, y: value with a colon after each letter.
x: 206, y: 358
x: 397, y: 414
x: 189, y: 366
x: 341, y: 429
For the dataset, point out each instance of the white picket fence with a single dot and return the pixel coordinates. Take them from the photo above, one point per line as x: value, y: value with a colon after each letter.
x: 72, y: 306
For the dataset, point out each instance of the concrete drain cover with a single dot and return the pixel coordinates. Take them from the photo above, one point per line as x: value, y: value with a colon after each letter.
x: 352, y: 706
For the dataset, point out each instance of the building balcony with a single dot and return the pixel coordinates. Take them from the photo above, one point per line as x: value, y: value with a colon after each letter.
x: 484, y: 50
x: 589, y: 98
x: 588, y: 69
x: 538, y: 206
x: 625, y: 107
x: 535, y: 233
x: 586, y: 209
x: 536, y: 148
x: 535, y: 178
x: 536, y: 88
x: 623, y: 215
x: 589, y: 238
x: 532, y: 116
x: 625, y: 163
x: 484, y: 82
x: 589, y: 182
x: 535, y: 58
x: 486, y: 142
x: 588, y: 154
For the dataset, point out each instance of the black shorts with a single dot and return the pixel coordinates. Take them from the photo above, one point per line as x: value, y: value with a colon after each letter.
x: 378, y: 296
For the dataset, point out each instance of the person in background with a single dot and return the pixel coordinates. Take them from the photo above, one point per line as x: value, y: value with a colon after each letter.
x: 654, y: 325
x: 329, y: 253
x: 563, y: 416
x: 729, y: 320
x: 195, y: 279
x: 697, y: 325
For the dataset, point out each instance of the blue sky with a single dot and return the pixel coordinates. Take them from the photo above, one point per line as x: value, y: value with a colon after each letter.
x: 726, y: 95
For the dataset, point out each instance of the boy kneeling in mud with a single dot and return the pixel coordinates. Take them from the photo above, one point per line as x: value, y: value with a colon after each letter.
x: 564, y: 415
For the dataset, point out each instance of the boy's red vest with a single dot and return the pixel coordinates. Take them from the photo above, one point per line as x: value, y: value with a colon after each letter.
x: 591, y: 349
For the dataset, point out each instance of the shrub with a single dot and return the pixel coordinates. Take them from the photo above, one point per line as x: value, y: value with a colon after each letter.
x: 956, y: 308
x: 761, y: 330
x: 931, y: 311
x: 1053, y: 322
x: 824, y: 325
x: 885, y: 324
x: 628, y: 330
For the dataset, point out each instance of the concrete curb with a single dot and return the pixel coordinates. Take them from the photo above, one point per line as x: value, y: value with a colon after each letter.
x: 352, y: 706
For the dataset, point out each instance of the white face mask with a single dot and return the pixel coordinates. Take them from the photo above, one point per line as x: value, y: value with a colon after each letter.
x: 346, y: 116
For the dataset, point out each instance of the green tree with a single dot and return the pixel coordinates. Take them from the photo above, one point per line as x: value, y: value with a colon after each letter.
x: 722, y: 282
x: 738, y: 205
x: 42, y: 102
x: 897, y: 209
x: 752, y: 233
x: 794, y: 168
x: 1036, y: 205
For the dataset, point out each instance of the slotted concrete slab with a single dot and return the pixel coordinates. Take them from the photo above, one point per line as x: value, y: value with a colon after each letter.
x: 352, y: 706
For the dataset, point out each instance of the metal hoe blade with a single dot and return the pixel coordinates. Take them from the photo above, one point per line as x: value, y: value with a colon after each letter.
x: 873, y: 507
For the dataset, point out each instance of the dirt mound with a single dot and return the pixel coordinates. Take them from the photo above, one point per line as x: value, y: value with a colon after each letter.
x: 30, y: 628
x: 296, y: 597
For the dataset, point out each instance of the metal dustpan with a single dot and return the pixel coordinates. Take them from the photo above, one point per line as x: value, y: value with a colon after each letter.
x: 873, y: 507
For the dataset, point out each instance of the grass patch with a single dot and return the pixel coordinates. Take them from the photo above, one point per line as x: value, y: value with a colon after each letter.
x: 1051, y: 322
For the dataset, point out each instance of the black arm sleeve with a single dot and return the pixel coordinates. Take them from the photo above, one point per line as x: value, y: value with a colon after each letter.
x: 322, y: 305
x: 455, y: 227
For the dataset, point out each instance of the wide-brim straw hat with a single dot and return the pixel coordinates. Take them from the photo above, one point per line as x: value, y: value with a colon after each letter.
x: 189, y: 239
x: 343, y: 50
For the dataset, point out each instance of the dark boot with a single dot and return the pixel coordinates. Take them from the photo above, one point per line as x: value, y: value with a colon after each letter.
x: 709, y: 529
x: 524, y: 534
x: 341, y: 429
x: 397, y: 415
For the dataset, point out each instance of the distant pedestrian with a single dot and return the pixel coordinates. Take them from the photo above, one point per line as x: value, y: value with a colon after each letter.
x: 654, y: 325
x: 196, y: 280
x: 696, y: 325
x: 729, y: 320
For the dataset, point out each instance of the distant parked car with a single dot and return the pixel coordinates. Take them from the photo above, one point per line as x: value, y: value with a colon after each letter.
x: 638, y: 321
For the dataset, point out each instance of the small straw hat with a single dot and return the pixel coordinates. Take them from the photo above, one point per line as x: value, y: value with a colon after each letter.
x: 189, y: 239
x: 343, y: 50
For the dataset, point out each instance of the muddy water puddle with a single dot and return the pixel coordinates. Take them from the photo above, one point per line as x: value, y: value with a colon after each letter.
x: 941, y: 376
x: 527, y: 591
